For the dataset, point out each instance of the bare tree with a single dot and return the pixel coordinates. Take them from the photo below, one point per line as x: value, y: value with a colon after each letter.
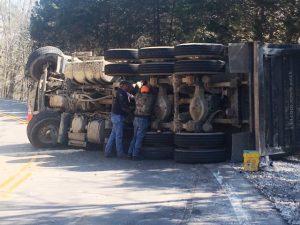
x: 15, y: 45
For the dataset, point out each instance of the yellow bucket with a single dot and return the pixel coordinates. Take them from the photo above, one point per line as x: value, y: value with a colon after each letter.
x: 251, y: 160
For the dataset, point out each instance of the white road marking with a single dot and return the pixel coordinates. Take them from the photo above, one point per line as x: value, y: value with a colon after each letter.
x: 235, y: 202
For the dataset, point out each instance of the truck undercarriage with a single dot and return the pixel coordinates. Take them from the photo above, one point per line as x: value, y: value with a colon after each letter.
x: 207, y: 101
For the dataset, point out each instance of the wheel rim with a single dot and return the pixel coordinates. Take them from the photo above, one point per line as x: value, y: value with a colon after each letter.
x: 48, y: 134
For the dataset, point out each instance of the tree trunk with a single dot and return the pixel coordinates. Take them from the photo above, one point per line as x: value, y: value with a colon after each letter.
x: 259, y: 24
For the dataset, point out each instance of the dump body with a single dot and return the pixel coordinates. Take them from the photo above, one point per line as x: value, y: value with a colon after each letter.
x: 277, y: 102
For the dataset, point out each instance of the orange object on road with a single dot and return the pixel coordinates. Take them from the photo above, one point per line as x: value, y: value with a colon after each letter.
x: 29, y: 115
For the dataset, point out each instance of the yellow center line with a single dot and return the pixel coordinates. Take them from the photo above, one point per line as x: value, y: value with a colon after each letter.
x: 11, y: 178
x: 14, y: 181
x: 13, y: 117
x: 6, y: 194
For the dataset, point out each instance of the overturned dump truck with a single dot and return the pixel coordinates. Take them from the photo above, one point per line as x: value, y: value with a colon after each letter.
x: 212, y: 101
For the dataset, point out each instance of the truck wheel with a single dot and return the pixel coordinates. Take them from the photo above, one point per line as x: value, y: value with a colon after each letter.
x: 195, y: 155
x: 156, y: 53
x: 200, y: 140
x: 156, y: 69
x: 122, y: 54
x: 202, y: 50
x: 121, y: 69
x: 42, y: 130
x: 41, y: 57
x: 282, y: 46
x: 158, y: 139
x: 199, y: 67
x: 157, y: 153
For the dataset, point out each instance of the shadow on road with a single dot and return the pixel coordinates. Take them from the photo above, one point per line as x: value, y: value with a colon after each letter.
x: 121, y: 191
x: 165, y: 178
x: 160, y: 173
x: 150, y: 213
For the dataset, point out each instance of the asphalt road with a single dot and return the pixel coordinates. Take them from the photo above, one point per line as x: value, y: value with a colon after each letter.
x: 74, y: 186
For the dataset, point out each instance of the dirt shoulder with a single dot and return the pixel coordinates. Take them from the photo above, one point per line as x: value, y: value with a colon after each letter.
x: 281, y: 185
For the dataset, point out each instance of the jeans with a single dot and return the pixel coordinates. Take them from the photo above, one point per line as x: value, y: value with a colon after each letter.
x: 116, y: 135
x: 140, y: 126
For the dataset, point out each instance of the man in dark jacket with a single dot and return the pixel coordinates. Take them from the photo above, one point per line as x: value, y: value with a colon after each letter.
x: 120, y: 110
x: 144, y: 100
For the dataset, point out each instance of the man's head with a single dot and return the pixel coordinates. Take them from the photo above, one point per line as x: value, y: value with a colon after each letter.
x: 125, y: 85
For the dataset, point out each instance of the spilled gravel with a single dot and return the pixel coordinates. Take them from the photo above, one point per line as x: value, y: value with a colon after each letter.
x: 281, y: 185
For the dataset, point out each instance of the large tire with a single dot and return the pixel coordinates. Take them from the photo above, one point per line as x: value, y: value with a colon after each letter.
x: 113, y: 55
x: 42, y: 130
x: 200, y: 140
x: 157, y: 153
x: 41, y: 57
x: 283, y: 46
x: 121, y: 69
x: 157, y: 53
x: 200, y: 155
x: 202, y: 50
x: 199, y: 67
x: 156, y: 69
x: 158, y: 139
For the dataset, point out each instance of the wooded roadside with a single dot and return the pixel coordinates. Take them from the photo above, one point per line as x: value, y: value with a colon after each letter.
x: 76, y: 25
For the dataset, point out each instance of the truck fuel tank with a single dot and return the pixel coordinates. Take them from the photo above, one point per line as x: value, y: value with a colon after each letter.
x: 87, y: 72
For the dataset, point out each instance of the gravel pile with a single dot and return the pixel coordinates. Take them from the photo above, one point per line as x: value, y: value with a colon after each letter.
x: 281, y: 185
